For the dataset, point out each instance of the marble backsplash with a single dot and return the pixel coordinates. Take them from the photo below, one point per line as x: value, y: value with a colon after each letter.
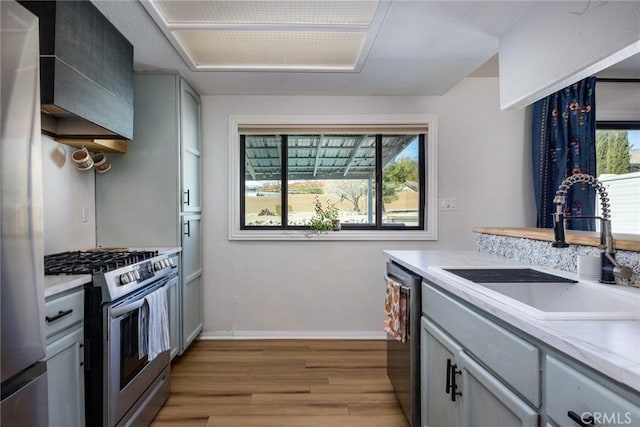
x: 538, y: 252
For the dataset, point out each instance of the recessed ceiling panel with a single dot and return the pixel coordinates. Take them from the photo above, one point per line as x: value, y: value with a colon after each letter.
x: 266, y: 35
x: 272, y: 49
x: 352, y: 13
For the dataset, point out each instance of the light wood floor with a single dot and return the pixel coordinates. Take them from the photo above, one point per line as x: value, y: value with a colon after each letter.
x: 281, y: 383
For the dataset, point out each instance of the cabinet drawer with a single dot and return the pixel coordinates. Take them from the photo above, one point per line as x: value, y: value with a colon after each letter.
x: 508, y: 356
x: 58, y: 316
x: 570, y: 390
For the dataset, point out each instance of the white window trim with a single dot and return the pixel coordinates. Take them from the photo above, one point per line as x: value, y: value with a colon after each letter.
x: 431, y: 176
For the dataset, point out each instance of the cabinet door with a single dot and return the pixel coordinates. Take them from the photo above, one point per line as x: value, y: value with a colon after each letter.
x: 437, y: 352
x: 486, y: 402
x: 190, y: 143
x: 191, y: 246
x: 191, y: 280
x: 572, y: 395
x: 174, y: 316
x: 65, y: 372
x: 192, y: 310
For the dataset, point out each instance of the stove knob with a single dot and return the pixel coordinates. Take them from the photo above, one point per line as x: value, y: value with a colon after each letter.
x: 124, y: 279
x: 170, y: 262
x: 157, y: 266
x: 132, y: 277
x: 165, y: 262
x: 136, y: 273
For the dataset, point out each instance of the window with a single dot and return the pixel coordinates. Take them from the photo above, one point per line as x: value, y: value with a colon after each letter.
x: 618, y: 168
x: 380, y: 177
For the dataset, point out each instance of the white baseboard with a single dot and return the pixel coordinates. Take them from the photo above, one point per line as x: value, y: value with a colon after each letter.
x: 288, y: 335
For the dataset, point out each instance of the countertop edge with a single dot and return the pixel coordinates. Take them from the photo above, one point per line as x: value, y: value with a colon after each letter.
x: 57, y: 284
x: 616, y: 367
x: 627, y: 242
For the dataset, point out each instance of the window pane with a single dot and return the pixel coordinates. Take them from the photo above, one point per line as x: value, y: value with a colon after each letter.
x: 263, y: 182
x: 401, y: 180
x: 618, y: 168
x: 338, y: 169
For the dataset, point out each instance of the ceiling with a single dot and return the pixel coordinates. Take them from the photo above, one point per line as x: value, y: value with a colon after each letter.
x: 416, y: 47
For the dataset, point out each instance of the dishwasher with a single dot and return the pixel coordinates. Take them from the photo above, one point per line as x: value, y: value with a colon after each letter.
x: 403, y: 358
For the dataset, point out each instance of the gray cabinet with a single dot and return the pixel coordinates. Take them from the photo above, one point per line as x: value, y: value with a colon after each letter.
x: 505, y: 379
x: 486, y: 401
x: 438, y: 353
x: 173, y: 302
x: 190, y: 148
x: 65, y: 359
x: 457, y: 391
x: 508, y: 356
x: 572, y: 395
x: 151, y: 196
x: 192, y: 294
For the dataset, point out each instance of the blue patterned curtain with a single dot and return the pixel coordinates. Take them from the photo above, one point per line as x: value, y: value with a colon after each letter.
x: 564, y: 142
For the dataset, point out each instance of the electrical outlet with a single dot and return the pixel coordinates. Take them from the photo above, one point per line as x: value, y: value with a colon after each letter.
x: 448, y: 204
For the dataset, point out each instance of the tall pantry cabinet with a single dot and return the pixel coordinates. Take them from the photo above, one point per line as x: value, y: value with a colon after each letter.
x: 151, y: 196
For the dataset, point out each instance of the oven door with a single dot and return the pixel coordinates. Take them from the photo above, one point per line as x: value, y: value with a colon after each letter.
x: 127, y: 373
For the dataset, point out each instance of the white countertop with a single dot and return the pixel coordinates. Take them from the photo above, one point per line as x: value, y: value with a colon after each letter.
x: 611, y: 347
x: 59, y: 283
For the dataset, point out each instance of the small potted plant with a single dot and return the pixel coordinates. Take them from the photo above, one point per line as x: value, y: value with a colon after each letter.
x: 325, y: 217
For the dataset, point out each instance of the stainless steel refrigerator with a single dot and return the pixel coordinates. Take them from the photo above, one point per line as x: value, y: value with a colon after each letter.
x: 24, y: 377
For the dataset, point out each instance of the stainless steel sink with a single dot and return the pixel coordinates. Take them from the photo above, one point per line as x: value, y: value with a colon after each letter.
x: 508, y: 275
x: 560, y: 300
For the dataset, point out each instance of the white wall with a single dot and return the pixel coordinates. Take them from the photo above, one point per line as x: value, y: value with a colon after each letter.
x: 558, y: 43
x: 618, y: 101
x: 280, y: 288
x: 66, y: 191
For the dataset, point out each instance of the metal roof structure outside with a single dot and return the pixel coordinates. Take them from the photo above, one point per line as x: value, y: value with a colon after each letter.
x: 319, y: 157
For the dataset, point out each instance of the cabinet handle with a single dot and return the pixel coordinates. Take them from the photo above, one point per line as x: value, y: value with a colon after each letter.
x: 583, y: 420
x: 447, y: 387
x: 60, y: 315
x: 451, y: 386
x: 187, y: 202
x: 188, y: 227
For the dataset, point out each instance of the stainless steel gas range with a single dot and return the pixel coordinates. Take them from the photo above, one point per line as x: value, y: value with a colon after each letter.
x: 124, y: 383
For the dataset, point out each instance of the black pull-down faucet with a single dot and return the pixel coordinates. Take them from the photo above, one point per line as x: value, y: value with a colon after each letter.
x: 610, y: 268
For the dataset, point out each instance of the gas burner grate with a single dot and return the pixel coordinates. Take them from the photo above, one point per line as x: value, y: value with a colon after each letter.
x: 79, y: 262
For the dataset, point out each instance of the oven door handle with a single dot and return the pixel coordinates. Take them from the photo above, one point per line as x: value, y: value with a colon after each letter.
x: 119, y: 311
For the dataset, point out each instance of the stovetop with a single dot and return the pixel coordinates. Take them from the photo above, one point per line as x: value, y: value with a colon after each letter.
x: 93, y: 262
x: 118, y: 273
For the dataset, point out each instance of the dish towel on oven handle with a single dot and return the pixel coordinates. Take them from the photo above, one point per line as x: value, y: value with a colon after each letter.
x: 143, y: 330
x: 157, y: 330
x: 395, y: 310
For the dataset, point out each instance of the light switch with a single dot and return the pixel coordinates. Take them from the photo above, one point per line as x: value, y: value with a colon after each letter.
x: 448, y: 204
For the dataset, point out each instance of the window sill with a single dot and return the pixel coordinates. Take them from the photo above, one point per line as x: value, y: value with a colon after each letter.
x: 305, y: 235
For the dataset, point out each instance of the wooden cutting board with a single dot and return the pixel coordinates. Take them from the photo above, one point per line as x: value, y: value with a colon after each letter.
x: 108, y: 249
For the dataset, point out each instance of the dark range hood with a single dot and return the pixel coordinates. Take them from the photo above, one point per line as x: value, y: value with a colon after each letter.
x: 86, y: 74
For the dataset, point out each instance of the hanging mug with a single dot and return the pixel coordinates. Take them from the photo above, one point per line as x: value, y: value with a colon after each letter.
x: 101, y: 163
x: 82, y: 159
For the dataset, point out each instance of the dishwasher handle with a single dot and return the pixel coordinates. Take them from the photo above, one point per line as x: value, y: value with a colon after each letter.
x: 404, y: 289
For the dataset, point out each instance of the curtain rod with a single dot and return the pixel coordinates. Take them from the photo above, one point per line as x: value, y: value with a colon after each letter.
x: 616, y: 80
